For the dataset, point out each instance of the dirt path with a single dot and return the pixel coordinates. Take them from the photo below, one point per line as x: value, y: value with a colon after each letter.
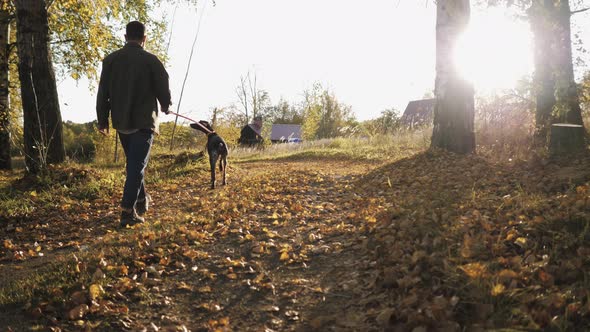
x: 273, y: 250
x: 278, y: 261
x: 435, y: 241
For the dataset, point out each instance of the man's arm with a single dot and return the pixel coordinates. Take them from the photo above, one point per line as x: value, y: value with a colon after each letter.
x: 161, y: 82
x: 103, y: 100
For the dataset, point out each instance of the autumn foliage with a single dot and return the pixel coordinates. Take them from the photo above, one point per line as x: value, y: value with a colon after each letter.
x: 429, y: 241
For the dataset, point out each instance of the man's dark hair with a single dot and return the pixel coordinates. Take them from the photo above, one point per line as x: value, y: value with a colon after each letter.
x: 135, y: 30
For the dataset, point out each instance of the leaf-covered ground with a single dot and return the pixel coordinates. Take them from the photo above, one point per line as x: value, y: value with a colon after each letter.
x: 433, y: 242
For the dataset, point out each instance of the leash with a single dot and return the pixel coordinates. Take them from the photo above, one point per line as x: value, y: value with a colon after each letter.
x: 209, y: 132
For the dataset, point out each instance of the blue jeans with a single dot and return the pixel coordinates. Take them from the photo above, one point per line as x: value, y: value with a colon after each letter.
x: 137, y: 148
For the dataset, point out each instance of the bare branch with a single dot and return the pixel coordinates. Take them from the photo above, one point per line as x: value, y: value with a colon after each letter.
x: 63, y: 41
x: 579, y: 11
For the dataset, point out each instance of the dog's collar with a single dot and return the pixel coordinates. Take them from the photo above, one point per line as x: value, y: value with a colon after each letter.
x: 211, y: 133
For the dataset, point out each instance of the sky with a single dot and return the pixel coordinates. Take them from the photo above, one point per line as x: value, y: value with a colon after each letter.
x: 372, y: 55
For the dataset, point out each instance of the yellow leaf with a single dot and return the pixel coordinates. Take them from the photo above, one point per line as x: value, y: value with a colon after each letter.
x: 371, y: 219
x: 33, y: 193
x: 284, y: 256
x: 259, y: 278
x: 498, y: 289
x: 474, y: 270
x: 8, y: 244
x: 224, y: 321
x: 184, y: 286
x: 95, y: 291
x: 204, y: 289
x: 521, y: 242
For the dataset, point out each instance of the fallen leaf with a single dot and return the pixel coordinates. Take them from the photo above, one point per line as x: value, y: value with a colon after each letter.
x: 498, y: 289
x: 95, y: 291
x: 284, y: 256
x: 78, y: 312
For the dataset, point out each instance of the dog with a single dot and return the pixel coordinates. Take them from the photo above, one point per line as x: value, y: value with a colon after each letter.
x: 216, y: 148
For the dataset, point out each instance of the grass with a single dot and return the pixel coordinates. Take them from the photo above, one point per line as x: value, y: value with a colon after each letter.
x: 83, y: 183
x: 378, y: 148
x: 46, y: 281
x: 20, y: 195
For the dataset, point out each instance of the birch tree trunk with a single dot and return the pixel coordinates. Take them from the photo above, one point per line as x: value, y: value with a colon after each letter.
x: 43, y: 133
x: 454, y: 108
x: 5, y: 161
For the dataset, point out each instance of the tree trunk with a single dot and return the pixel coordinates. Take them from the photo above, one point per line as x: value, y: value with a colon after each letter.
x: 5, y: 161
x: 566, y: 90
x: 454, y: 108
x: 555, y: 87
x: 540, y: 17
x: 43, y: 133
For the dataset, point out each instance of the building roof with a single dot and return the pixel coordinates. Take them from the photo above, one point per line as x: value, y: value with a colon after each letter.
x: 257, y: 128
x: 281, y: 132
x: 418, y: 111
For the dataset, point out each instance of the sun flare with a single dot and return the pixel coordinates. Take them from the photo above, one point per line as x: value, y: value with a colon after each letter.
x: 495, y: 51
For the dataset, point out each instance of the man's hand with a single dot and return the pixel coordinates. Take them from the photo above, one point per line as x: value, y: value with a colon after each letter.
x: 166, y: 110
x: 104, y: 131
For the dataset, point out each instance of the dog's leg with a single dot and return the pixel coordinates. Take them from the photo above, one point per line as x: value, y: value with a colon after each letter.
x: 212, y: 161
x: 223, y: 162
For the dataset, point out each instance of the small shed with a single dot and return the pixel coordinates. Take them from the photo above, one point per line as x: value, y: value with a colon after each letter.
x: 251, y: 135
x: 282, y: 133
x: 418, y: 112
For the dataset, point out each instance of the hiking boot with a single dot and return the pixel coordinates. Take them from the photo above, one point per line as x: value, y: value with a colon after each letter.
x: 130, y: 218
x: 143, y: 206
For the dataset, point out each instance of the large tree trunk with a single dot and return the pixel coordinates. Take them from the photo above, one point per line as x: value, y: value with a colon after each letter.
x: 5, y: 161
x: 540, y: 17
x: 454, y: 108
x: 566, y: 90
x: 43, y: 133
x: 555, y: 87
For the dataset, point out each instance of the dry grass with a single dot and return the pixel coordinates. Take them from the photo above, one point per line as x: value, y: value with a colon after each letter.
x: 382, y: 147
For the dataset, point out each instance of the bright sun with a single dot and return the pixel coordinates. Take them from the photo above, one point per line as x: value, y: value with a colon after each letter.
x: 495, y: 51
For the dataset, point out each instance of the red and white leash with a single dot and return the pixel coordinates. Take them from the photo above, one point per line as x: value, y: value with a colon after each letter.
x: 195, y: 121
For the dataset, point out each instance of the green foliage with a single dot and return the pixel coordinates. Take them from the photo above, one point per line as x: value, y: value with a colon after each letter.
x: 387, y: 123
x: 229, y: 127
x: 83, y: 32
x: 184, y: 137
x: 105, y: 148
x: 324, y: 116
x: 78, y: 140
x: 283, y: 113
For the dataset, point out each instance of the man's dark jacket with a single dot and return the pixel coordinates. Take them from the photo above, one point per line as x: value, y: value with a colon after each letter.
x: 131, y: 81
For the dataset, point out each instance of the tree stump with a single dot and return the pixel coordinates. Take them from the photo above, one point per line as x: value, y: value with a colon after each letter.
x: 566, y: 138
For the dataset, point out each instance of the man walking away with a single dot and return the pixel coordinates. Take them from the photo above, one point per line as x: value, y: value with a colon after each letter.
x: 131, y: 83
